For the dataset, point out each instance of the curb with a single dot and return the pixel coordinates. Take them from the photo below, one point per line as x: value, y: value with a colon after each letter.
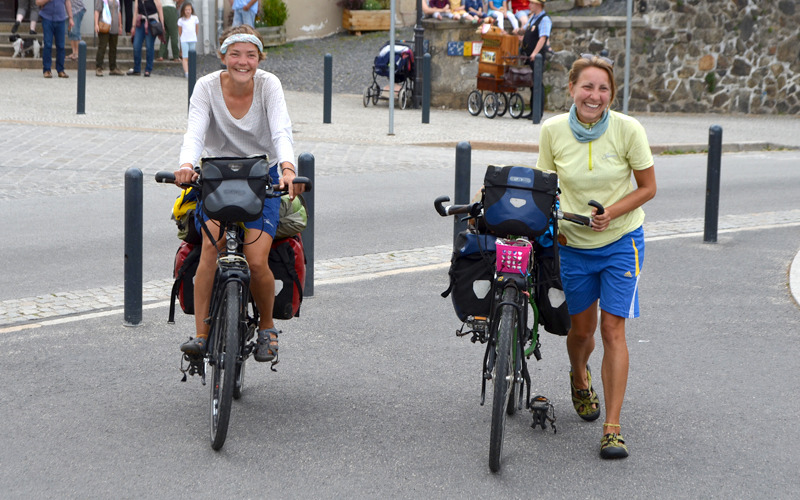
x: 656, y: 149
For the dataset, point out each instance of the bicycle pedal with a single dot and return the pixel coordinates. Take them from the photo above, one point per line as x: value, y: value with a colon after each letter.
x: 543, y: 412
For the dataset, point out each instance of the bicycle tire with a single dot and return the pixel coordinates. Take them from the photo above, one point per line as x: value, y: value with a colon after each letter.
x: 503, y: 376
x: 223, y: 367
x: 516, y: 105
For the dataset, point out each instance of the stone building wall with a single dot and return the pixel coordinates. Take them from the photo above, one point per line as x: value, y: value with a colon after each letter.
x: 726, y: 56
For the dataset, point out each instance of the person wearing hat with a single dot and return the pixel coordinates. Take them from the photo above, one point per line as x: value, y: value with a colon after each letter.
x: 535, y: 38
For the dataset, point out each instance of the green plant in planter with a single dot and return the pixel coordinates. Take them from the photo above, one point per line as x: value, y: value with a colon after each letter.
x: 273, y: 13
x: 377, y: 5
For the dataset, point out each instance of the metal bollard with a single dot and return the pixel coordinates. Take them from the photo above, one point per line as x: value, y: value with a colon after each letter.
x: 712, y: 184
x: 192, y: 76
x: 305, y: 167
x: 536, y: 95
x: 463, y: 179
x: 426, y: 88
x: 82, y: 78
x: 327, y: 88
x: 133, y: 247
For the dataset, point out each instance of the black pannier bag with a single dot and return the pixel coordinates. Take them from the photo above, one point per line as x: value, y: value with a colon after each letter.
x: 234, y: 188
x: 471, y: 273
x: 550, y: 300
x: 518, y: 201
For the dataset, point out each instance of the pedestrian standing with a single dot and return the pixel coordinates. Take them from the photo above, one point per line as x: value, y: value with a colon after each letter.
x: 56, y: 19
x: 110, y: 13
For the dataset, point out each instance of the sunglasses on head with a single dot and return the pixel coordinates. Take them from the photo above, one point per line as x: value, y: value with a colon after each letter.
x: 590, y: 57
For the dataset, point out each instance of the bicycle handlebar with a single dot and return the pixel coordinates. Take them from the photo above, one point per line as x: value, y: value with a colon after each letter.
x: 473, y: 209
x: 273, y: 191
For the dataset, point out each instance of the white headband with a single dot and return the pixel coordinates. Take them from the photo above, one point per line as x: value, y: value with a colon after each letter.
x: 241, y: 37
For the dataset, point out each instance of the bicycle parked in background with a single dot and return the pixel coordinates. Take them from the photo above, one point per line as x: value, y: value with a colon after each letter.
x: 517, y: 215
x: 232, y: 191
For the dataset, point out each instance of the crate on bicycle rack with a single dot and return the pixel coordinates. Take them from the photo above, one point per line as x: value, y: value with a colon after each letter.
x: 513, y: 256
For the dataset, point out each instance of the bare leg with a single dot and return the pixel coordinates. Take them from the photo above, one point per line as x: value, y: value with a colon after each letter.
x: 262, y: 282
x: 615, y: 367
x: 580, y: 344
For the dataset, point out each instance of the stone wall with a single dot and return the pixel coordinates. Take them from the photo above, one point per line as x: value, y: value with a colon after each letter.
x: 726, y: 56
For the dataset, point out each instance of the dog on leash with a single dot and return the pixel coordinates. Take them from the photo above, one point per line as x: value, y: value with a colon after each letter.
x: 26, y: 47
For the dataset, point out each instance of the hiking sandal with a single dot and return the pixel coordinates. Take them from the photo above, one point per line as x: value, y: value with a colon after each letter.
x: 267, y: 345
x: 585, y: 401
x: 612, y: 445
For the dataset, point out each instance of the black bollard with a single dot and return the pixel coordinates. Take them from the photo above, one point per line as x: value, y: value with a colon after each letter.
x: 463, y: 179
x: 327, y: 89
x: 133, y: 247
x: 536, y: 95
x: 426, y: 88
x: 712, y: 184
x: 82, y: 78
x: 305, y: 167
x: 192, y: 76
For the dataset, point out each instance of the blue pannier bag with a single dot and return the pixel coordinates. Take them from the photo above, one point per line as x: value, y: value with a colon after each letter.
x: 471, y: 274
x: 518, y: 201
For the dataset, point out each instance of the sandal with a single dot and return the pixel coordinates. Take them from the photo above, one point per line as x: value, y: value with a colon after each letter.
x: 612, y: 445
x: 267, y: 345
x: 195, y: 346
x: 585, y: 401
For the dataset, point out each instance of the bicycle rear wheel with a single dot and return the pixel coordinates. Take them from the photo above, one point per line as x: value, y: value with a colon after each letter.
x: 225, y: 351
x: 503, y: 376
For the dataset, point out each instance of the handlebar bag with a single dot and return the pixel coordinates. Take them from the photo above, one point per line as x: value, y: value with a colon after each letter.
x: 518, y: 201
x: 471, y: 274
x: 234, y: 188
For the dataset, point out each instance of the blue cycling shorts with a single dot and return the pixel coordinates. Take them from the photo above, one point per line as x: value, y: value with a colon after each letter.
x: 609, y: 273
x: 268, y: 222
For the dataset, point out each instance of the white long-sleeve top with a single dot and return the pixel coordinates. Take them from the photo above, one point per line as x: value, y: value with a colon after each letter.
x: 265, y: 129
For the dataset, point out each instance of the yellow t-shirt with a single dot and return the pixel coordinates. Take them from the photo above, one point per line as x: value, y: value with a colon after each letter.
x: 597, y: 170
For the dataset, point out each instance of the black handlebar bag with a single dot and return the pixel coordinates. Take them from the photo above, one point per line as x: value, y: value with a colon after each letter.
x: 234, y: 188
x: 518, y: 201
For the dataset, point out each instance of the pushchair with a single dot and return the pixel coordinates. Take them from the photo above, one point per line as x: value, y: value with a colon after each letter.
x: 404, y: 72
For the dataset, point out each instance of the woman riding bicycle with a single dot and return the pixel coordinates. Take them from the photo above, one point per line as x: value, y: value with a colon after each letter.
x: 595, y: 151
x: 240, y: 111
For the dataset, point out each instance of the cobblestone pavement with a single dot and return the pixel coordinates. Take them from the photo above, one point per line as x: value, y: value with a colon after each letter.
x: 338, y: 270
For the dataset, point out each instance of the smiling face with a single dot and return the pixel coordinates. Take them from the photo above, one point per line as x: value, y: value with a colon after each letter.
x: 242, y: 60
x: 592, y: 92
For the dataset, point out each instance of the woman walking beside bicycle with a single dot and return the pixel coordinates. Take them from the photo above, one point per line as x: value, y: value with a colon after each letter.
x: 594, y: 151
x: 237, y: 112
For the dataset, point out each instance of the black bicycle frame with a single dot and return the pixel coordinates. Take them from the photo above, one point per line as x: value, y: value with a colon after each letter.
x: 501, y: 282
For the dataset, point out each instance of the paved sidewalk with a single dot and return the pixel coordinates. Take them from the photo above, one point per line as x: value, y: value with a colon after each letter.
x: 159, y: 103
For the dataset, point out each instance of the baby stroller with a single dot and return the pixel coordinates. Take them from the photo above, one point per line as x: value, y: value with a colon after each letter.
x: 404, y: 71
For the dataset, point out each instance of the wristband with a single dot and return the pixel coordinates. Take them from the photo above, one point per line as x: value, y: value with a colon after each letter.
x: 287, y: 168
x: 186, y: 168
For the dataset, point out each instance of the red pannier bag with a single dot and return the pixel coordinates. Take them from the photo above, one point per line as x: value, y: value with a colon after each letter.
x: 186, y: 259
x: 287, y: 261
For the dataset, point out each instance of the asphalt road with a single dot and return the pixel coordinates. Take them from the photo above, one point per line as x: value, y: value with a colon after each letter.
x: 375, y: 396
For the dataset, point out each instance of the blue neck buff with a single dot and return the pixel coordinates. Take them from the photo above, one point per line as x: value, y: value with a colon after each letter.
x: 581, y: 132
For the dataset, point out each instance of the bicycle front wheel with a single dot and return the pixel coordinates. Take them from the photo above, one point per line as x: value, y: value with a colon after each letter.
x: 224, y: 353
x: 503, y: 376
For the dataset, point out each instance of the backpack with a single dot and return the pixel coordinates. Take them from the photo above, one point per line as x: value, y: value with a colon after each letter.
x: 471, y: 274
x: 186, y: 259
x: 287, y: 262
x: 518, y: 201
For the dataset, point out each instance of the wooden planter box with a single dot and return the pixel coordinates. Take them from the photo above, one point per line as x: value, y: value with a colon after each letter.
x: 272, y: 35
x: 357, y: 21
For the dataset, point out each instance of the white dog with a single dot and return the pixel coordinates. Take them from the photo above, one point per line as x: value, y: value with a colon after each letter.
x: 26, y: 47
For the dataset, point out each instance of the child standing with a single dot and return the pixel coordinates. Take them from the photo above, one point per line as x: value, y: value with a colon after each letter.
x: 188, y: 26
